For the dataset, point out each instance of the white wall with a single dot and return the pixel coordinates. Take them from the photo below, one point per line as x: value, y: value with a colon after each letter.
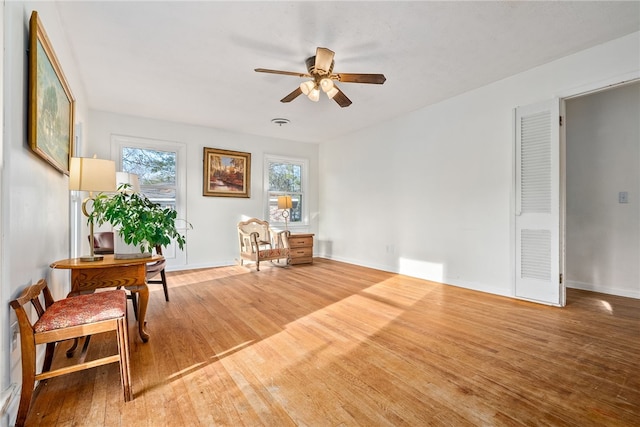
x: 35, y: 196
x: 430, y: 194
x: 214, y: 239
x: 603, y: 159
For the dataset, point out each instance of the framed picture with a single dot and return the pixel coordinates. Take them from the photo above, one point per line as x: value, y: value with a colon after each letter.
x: 226, y: 173
x: 51, y: 104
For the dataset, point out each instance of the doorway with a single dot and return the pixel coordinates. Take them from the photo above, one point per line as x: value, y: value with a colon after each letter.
x: 549, y: 206
x: 602, y: 234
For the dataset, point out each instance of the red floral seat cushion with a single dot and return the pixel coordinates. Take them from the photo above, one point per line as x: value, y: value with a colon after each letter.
x: 273, y: 253
x: 83, y: 309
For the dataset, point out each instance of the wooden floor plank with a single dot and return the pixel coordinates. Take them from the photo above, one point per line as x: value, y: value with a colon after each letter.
x: 333, y: 344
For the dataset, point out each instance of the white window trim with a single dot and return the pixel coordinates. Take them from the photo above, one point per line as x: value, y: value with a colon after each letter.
x: 273, y: 158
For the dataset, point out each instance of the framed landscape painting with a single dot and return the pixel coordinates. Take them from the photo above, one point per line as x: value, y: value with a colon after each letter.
x: 51, y: 103
x: 226, y: 173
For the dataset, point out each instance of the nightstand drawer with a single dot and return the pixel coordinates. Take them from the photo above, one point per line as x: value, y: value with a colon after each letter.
x: 297, y: 242
x: 301, y: 252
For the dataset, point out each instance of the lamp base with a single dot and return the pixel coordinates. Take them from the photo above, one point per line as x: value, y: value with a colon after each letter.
x: 91, y: 258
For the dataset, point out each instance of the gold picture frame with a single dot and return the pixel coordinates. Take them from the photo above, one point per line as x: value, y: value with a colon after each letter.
x: 226, y: 173
x: 51, y: 103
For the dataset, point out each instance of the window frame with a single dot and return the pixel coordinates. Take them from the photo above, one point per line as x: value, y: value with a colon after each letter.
x: 174, y: 256
x: 304, y: 189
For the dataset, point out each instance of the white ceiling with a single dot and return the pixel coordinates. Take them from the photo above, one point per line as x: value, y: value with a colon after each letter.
x: 193, y: 62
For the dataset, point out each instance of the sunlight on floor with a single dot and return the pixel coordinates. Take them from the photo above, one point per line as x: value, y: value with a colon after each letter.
x: 189, y: 277
x: 363, y: 314
x: 191, y: 369
x: 607, y: 306
x: 325, y: 336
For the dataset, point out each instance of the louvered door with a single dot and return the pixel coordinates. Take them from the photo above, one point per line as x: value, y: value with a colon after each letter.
x: 538, y: 203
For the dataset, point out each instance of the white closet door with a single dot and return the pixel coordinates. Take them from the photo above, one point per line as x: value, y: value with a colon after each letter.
x: 537, y: 222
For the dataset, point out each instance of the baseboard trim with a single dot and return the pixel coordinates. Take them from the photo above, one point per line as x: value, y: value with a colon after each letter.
x: 603, y: 289
x: 479, y: 287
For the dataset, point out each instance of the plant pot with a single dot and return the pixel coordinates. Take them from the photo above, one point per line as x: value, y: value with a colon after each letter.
x: 124, y: 251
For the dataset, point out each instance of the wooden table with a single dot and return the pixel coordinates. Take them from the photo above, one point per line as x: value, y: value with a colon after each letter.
x: 108, y: 273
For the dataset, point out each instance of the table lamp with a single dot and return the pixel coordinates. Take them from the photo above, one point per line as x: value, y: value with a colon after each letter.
x: 284, y: 203
x: 91, y: 174
x: 128, y: 178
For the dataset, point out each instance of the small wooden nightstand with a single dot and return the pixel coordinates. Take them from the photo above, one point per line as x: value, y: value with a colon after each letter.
x: 301, y: 248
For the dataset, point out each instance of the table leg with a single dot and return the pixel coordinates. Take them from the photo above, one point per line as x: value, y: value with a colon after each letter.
x: 143, y: 293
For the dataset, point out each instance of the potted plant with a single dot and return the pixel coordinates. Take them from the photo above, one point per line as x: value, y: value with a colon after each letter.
x: 137, y: 220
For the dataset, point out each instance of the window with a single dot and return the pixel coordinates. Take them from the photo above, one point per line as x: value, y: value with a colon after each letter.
x: 161, y: 170
x: 156, y: 172
x: 285, y: 177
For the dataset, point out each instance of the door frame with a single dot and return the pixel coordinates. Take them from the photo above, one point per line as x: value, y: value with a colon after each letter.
x: 563, y: 96
x: 627, y: 79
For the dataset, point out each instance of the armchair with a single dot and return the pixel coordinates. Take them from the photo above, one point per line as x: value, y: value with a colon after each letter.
x: 259, y: 243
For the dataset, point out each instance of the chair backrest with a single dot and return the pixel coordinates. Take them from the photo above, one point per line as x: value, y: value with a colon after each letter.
x: 255, y: 225
x: 32, y: 295
x: 154, y: 268
x: 103, y: 242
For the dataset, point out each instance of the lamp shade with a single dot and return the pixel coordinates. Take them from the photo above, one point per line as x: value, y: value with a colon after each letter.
x: 326, y: 84
x: 284, y: 202
x: 307, y: 87
x: 128, y: 178
x: 91, y: 174
x: 332, y: 92
x: 314, y: 95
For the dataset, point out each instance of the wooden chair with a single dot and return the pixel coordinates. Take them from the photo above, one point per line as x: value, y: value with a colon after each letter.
x: 65, y: 319
x: 104, y: 244
x: 259, y: 243
x: 155, y: 268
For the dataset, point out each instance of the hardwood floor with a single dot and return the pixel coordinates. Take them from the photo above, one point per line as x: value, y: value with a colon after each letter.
x: 333, y: 344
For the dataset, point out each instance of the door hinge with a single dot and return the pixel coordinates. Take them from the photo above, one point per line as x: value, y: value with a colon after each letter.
x: 561, y: 278
x: 560, y: 120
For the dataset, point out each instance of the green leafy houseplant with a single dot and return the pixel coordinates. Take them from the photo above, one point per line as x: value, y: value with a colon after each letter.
x: 139, y: 221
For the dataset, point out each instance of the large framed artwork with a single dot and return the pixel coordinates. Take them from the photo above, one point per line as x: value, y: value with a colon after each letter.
x: 51, y: 103
x: 226, y: 173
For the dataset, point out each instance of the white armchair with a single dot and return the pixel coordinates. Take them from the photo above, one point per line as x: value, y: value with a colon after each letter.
x: 259, y: 243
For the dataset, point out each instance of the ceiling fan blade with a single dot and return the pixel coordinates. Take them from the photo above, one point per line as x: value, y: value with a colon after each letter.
x: 286, y: 73
x: 293, y: 95
x: 341, y: 98
x: 324, y: 58
x: 377, y: 79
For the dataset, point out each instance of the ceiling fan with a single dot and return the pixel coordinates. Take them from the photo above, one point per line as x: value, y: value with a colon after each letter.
x: 320, y: 71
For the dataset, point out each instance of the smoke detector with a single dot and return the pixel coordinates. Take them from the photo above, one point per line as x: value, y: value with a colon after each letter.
x: 280, y: 121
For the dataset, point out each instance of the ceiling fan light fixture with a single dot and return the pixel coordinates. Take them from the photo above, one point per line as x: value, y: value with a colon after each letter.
x: 307, y: 87
x: 326, y: 84
x: 314, y: 95
x: 332, y: 92
x: 320, y: 76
